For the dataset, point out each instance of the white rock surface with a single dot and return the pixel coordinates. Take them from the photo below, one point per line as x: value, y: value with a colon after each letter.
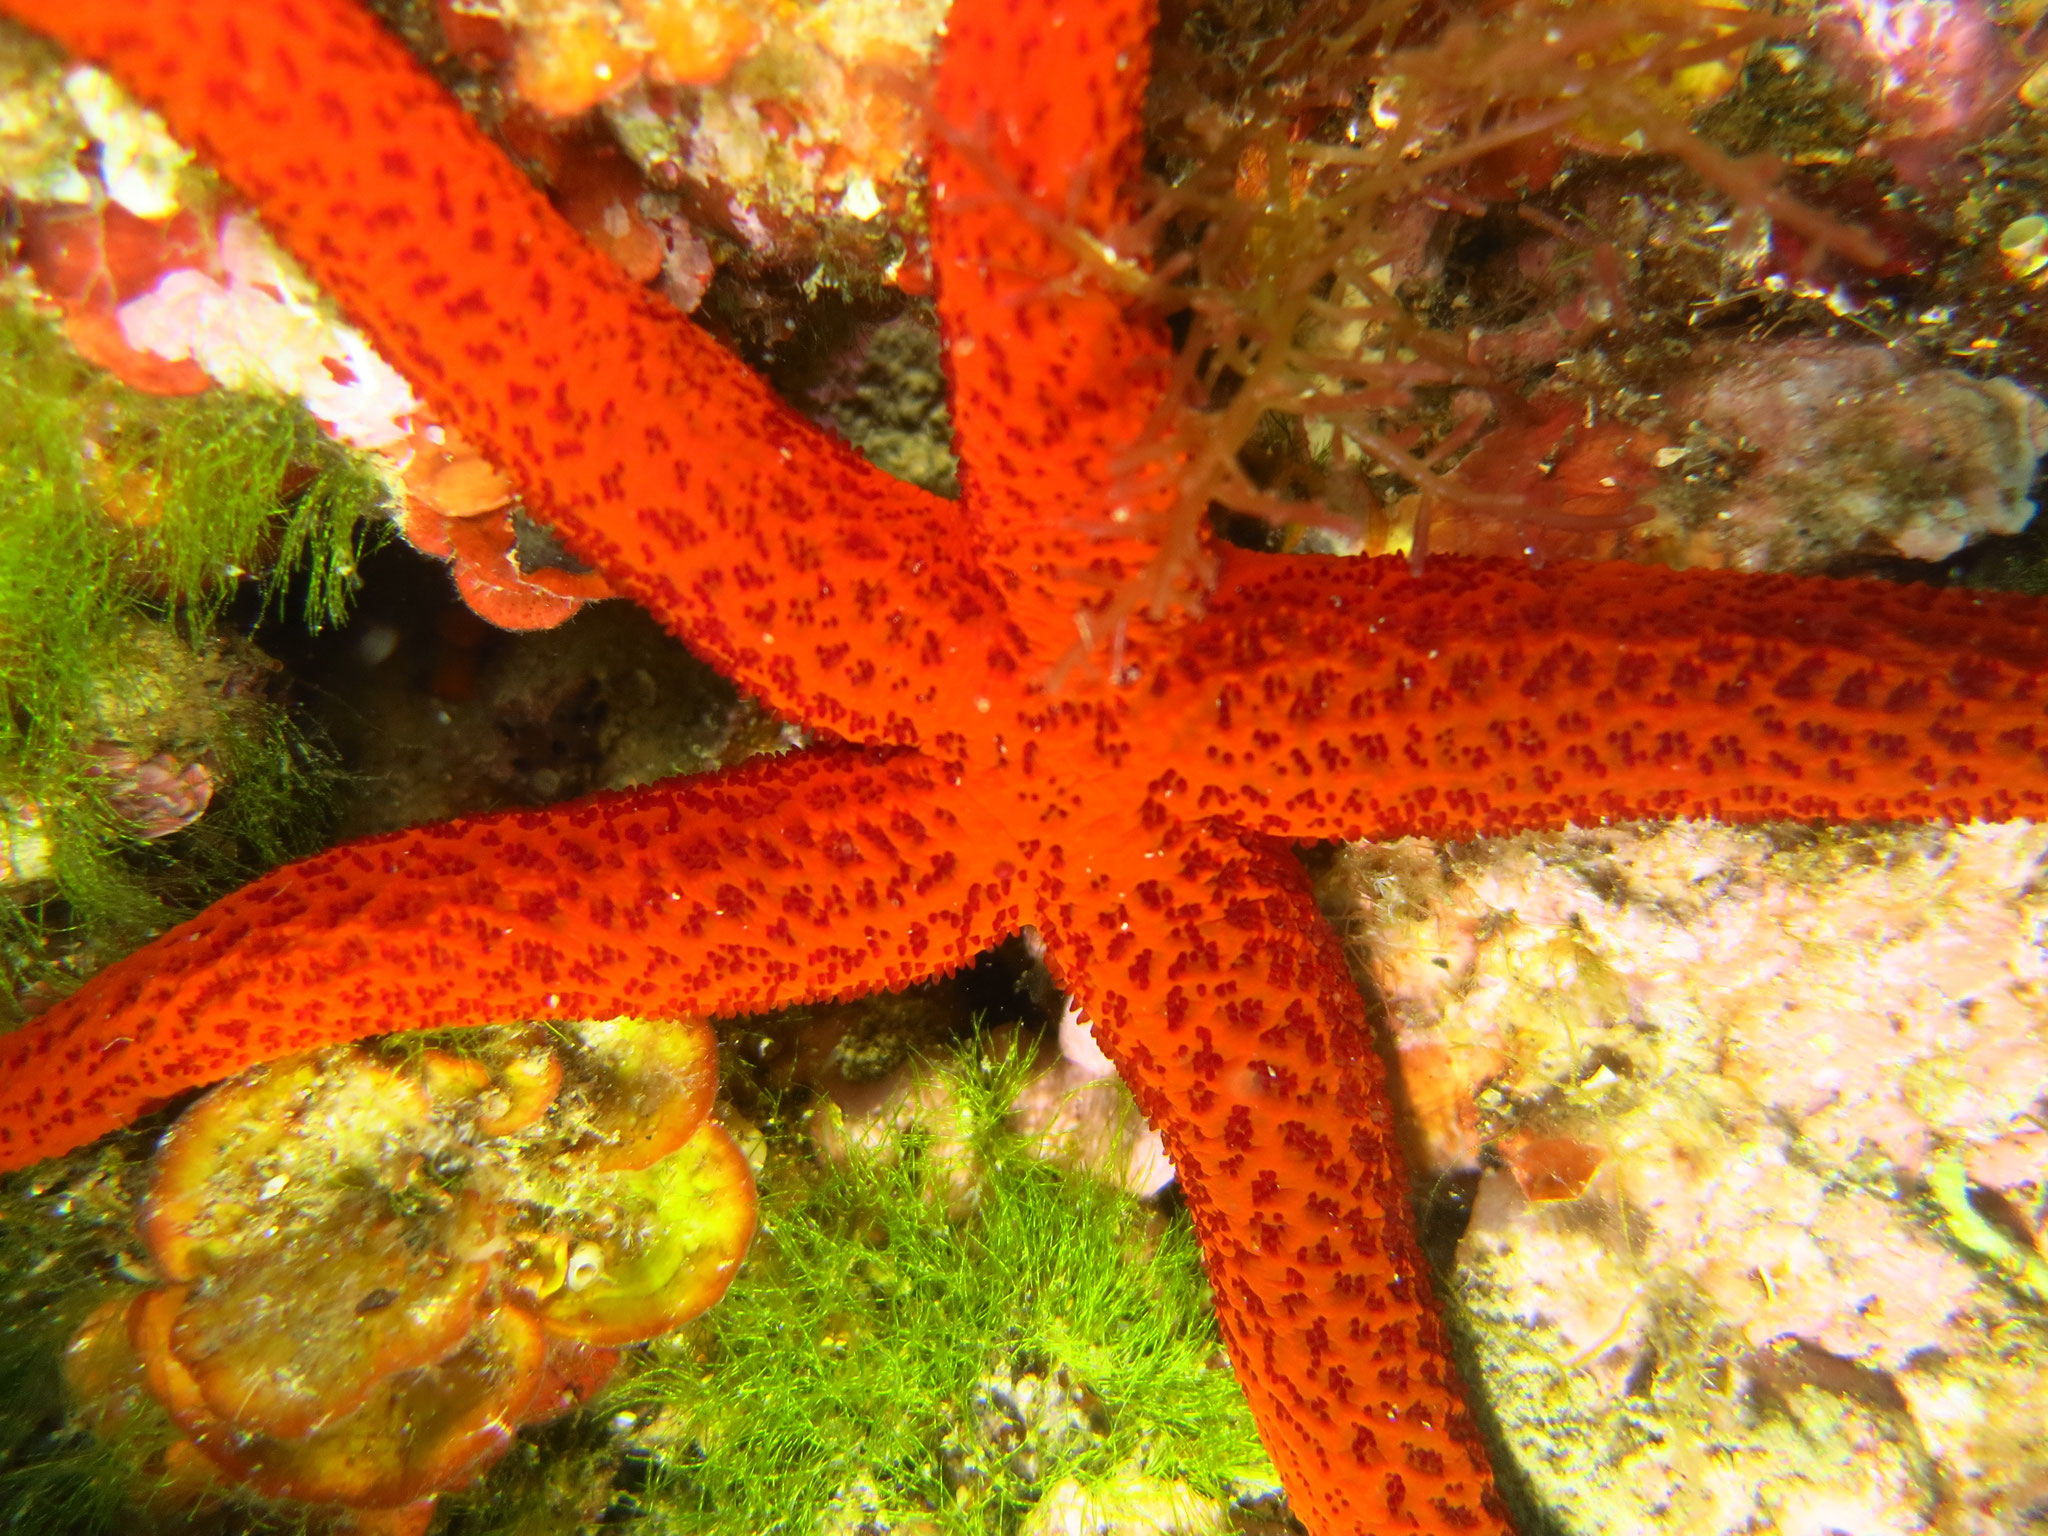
x: 1801, y: 1289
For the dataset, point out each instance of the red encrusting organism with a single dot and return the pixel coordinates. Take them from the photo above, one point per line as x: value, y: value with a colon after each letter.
x: 459, y: 509
x: 90, y: 261
x: 1139, y: 815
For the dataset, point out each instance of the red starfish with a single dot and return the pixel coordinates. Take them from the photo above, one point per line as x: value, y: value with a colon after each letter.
x: 1140, y: 821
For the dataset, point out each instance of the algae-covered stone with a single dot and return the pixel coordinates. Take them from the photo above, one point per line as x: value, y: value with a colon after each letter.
x: 1796, y: 1285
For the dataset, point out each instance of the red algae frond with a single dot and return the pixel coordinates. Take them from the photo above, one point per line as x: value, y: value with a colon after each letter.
x: 1307, y: 178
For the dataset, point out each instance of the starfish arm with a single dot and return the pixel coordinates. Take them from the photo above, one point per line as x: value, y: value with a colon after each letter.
x: 1052, y: 383
x: 1219, y: 992
x: 1353, y: 699
x: 656, y: 455
x: 825, y: 874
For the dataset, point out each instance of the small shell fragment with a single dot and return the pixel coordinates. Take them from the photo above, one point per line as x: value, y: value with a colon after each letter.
x: 2022, y: 243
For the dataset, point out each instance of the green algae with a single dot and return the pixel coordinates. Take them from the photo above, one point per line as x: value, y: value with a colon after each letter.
x: 66, y: 1244
x: 2004, y: 1253
x: 846, y: 1380
x: 133, y: 529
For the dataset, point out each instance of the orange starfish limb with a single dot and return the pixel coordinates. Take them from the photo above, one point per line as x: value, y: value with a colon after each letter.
x: 828, y: 874
x: 587, y: 391
x: 1225, y: 1001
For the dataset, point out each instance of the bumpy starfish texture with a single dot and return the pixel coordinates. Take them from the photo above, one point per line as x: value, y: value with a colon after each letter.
x: 1139, y: 820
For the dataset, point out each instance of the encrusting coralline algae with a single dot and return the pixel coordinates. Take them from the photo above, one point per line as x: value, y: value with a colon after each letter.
x: 1751, y: 1125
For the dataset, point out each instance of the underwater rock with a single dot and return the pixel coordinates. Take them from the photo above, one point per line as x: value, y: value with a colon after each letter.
x: 443, y: 715
x: 1751, y: 1124
x: 1844, y: 448
x: 1077, y: 1112
x: 860, y: 1510
x: 1131, y: 1504
x: 25, y: 851
x: 805, y: 152
x: 51, y: 112
x: 887, y: 397
x: 150, y: 754
x: 140, y: 163
x: 88, y: 261
x: 1031, y: 1416
x: 255, y: 322
x: 792, y: 132
x: 1778, y: 456
x: 41, y: 134
x: 1070, y: 1109
x: 242, y: 316
x: 1931, y: 71
x: 154, y: 796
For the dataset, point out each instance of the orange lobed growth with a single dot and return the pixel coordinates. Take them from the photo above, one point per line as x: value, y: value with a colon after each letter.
x: 459, y: 509
x: 568, y: 58
x: 377, y: 1267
